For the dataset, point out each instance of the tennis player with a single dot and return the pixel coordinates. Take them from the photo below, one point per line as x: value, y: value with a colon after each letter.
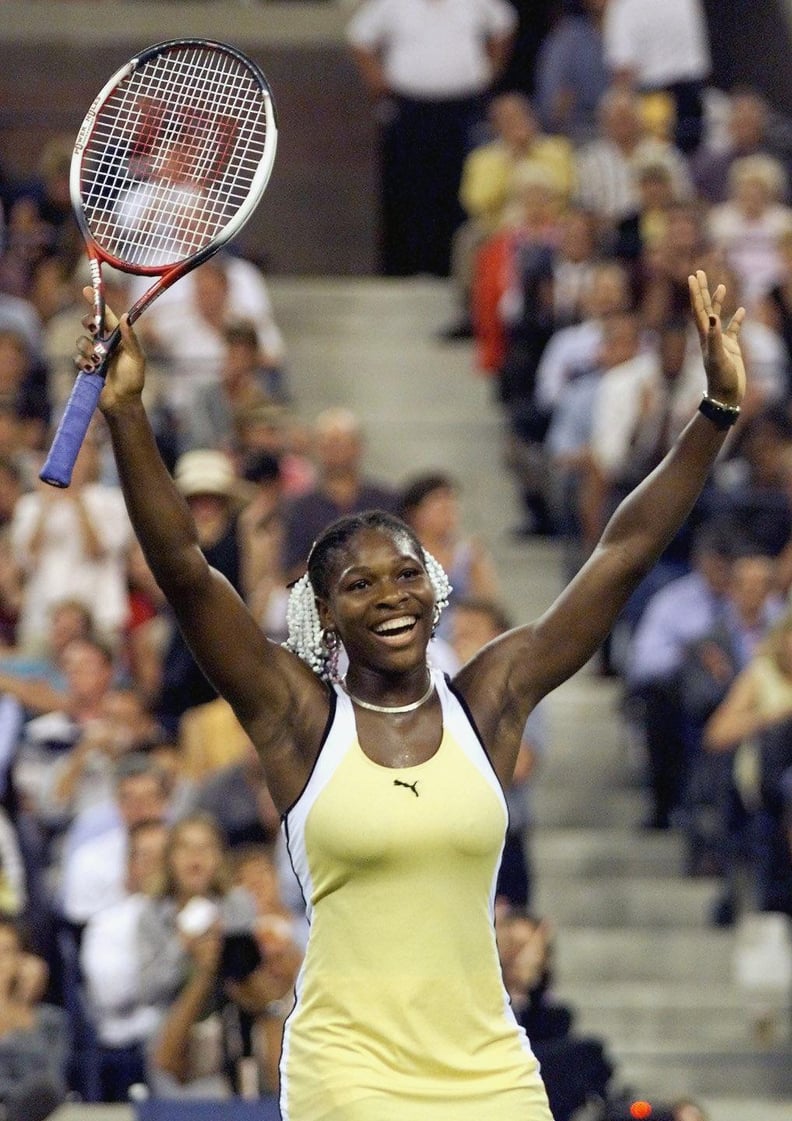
x: 390, y: 780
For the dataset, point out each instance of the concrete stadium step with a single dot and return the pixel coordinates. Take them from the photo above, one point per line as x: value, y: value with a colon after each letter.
x: 606, y: 852
x: 641, y: 1013
x: 559, y: 805
x: 746, y: 1109
x: 669, y: 1074
x: 603, y: 954
x: 634, y: 901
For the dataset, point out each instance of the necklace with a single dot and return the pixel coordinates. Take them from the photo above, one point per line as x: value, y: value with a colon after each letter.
x: 394, y: 710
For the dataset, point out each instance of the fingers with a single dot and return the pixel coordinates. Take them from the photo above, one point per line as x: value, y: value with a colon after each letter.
x: 708, y: 308
x: 736, y: 322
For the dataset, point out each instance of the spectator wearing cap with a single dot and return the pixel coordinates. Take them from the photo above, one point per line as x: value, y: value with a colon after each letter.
x: 215, y: 494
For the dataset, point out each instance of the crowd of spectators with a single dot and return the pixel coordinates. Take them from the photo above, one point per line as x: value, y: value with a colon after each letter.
x: 585, y: 216
x: 153, y: 925
x: 144, y: 879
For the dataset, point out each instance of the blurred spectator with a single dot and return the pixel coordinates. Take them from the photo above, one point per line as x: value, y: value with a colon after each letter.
x: 747, y: 134
x: 273, y: 430
x: 71, y: 543
x: 575, y: 1069
x: 748, y: 226
x: 643, y: 233
x: 40, y: 219
x: 341, y: 488
x: 34, y: 1039
x: 489, y: 185
x: 427, y: 68
x: 85, y: 775
x: 185, y: 326
x: 752, y: 489
x: 662, y: 271
x: 281, y: 941
x: 512, y: 297
x: 676, y: 616
x: 148, y: 628
x: 710, y: 665
x: 643, y: 402
x: 430, y: 504
x: 93, y: 875
x: 651, y: 48
x: 750, y: 728
x: 88, y: 669
x: 246, y: 381
x: 606, y: 165
x: 237, y: 797
x: 571, y: 76
x: 13, y: 891
x: 574, y: 350
x: 23, y: 388
x: 197, y: 947
x: 110, y: 967
x: 776, y: 308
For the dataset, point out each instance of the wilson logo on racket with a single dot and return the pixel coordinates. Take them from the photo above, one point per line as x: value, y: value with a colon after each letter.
x: 176, y: 146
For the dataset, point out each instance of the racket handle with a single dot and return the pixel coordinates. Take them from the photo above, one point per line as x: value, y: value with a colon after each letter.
x: 57, y: 470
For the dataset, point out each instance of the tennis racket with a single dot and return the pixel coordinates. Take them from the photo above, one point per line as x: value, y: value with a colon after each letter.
x: 170, y: 162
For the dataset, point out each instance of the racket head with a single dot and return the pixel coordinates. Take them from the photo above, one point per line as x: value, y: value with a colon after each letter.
x: 172, y: 157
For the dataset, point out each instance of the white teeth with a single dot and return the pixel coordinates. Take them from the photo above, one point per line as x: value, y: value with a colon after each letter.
x: 395, y: 624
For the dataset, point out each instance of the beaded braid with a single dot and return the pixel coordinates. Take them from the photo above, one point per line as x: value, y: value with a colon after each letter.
x: 319, y: 650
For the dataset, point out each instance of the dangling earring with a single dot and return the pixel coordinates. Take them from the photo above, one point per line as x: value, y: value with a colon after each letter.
x: 333, y: 648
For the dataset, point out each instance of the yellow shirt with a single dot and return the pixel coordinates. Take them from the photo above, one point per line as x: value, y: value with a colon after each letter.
x: 489, y: 170
x: 401, y: 1012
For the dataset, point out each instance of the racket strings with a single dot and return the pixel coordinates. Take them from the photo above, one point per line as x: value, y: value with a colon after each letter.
x: 173, y: 155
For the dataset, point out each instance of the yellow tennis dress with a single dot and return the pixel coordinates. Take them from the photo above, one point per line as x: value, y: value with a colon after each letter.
x: 401, y: 1012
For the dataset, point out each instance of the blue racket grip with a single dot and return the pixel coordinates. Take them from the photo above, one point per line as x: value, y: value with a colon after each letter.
x: 57, y: 470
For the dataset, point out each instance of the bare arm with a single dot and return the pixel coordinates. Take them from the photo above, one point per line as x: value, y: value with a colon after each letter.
x: 280, y: 702
x: 171, y: 1052
x: 499, y: 49
x: 371, y: 71
x: 509, y: 677
x: 35, y: 694
x: 739, y: 715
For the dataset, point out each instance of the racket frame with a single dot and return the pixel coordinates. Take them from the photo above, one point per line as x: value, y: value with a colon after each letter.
x: 88, y: 385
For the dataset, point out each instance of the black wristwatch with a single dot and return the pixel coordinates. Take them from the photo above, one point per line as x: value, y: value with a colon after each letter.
x: 722, y: 416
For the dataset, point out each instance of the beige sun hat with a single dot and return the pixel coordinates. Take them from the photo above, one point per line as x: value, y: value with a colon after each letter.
x: 208, y: 471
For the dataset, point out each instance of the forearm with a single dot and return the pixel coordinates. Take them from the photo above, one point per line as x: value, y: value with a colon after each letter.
x: 171, y: 1053
x: 647, y: 520
x: 159, y: 515
x: 36, y: 695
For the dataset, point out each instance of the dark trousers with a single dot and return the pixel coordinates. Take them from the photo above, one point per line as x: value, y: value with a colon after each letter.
x: 689, y: 105
x: 424, y: 144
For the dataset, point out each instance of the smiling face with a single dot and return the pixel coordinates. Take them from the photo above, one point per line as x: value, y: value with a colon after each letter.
x: 381, y: 601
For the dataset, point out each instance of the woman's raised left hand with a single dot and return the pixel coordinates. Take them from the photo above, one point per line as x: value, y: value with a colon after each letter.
x: 720, y: 348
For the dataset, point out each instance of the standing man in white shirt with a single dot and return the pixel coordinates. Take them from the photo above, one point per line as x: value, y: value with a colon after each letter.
x: 110, y: 968
x: 428, y: 65
x: 652, y: 47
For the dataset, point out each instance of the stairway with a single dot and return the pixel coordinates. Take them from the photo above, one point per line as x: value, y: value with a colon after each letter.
x: 635, y: 955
